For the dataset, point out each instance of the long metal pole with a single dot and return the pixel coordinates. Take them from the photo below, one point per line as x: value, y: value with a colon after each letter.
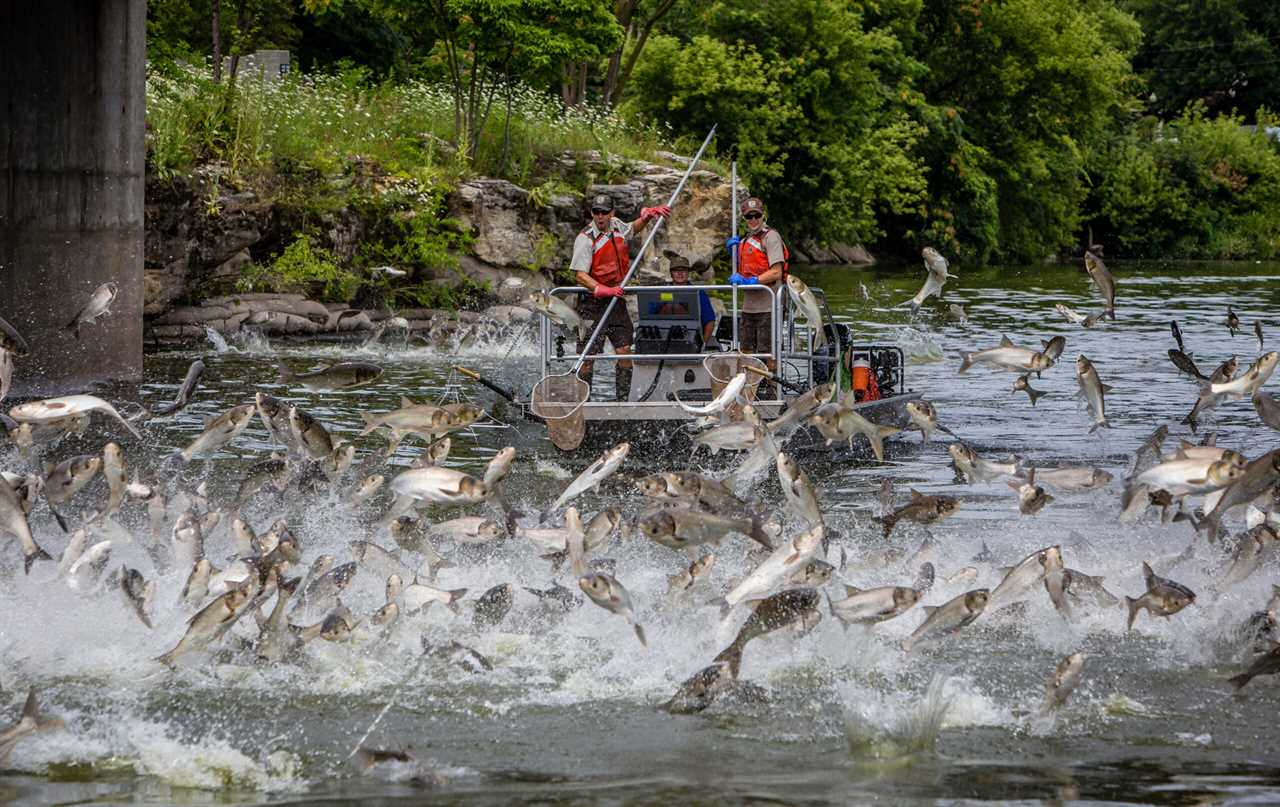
x: 733, y: 230
x: 635, y: 262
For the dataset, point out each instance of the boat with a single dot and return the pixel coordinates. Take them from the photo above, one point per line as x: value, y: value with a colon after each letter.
x: 671, y: 361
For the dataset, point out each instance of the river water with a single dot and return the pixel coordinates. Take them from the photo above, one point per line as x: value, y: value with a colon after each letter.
x: 568, y: 714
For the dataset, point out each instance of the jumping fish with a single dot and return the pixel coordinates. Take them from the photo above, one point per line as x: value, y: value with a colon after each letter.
x: 98, y: 305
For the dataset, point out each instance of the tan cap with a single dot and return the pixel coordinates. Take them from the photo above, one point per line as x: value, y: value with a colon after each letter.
x: 678, y: 262
x: 752, y: 205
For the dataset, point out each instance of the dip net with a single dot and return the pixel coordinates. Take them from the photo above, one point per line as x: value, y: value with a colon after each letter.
x: 558, y: 399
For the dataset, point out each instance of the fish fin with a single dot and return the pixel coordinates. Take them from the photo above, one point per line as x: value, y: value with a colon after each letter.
x: 929, y: 609
x: 759, y: 535
x: 640, y: 633
x: 1100, y: 425
x: 28, y: 560
x: 405, y: 402
x: 31, y: 709
x: 915, y: 494
x: 850, y: 590
x: 1238, y: 681
x: 1005, y: 341
x: 1107, y: 388
x: 966, y: 361
x: 62, y: 522
x: 1035, y: 395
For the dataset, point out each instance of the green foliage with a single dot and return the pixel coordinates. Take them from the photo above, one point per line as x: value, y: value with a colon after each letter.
x: 302, y: 268
x: 543, y: 252
x: 1015, y: 93
x: 1195, y: 188
x: 320, y: 123
x: 467, y: 293
x: 801, y: 91
x: 1224, y: 54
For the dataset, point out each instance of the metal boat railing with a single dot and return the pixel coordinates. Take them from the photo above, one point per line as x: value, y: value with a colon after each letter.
x: 782, y: 322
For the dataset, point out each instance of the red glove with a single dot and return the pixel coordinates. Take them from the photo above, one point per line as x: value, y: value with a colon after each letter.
x: 602, y: 290
x: 661, y: 211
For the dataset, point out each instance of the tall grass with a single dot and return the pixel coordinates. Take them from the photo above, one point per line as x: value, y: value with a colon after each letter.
x: 322, y: 122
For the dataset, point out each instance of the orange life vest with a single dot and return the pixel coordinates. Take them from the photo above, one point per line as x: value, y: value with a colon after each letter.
x: 609, y: 257
x: 753, y: 258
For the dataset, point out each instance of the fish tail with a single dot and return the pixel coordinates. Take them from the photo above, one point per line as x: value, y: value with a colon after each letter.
x: 888, y: 523
x: 29, y: 559
x: 1102, y: 424
x: 723, y: 605
x: 733, y: 656
x: 371, y: 422
x: 455, y: 595
x: 877, y: 445
x: 1035, y: 395
x: 758, y: 533
x: 1134, y: 606
x: 966, y: 361
x: 1238, y: 681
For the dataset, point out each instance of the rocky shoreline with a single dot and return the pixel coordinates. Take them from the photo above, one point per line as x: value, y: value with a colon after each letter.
x: 202, y: 231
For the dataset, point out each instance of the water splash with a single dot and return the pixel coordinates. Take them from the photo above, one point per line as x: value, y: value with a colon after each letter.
x: 897, y: 732
x: 919, y: 346
x: 218, y: 341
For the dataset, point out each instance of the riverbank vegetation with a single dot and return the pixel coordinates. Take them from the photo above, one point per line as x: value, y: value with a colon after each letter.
x: 995, y: 130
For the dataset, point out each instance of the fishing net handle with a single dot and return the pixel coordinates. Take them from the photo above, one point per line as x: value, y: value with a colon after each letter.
x: 635, y: 263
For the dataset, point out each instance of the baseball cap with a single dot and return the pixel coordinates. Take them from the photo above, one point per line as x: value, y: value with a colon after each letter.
x: 601, y: 202
x: 678, y: 262
x: 752, y: 205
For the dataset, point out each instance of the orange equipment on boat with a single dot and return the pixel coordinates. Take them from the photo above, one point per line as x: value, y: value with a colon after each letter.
x: 863, y: 380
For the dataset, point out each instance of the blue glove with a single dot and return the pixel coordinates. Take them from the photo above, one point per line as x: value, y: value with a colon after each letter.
x: 731, y: 243
x: 738, y: 280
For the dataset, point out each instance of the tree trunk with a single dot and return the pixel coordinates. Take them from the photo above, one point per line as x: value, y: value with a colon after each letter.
x: 642, y: 37
x: 217, y: 41
x: 242, y: 22
x: 623, y: 10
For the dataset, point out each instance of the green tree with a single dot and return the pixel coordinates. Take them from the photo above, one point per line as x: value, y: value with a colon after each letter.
x: 484, y: 46
x: 1015, y: 94
x: 802, y: 91
x: 1222, y: 53
x: 1196, y: 187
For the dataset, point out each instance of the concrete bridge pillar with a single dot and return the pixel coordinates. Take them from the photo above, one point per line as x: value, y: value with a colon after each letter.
x: 72, y: 152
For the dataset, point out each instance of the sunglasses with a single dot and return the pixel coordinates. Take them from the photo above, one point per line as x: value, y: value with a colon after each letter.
x: 600, y: 210
x: 753, y: 216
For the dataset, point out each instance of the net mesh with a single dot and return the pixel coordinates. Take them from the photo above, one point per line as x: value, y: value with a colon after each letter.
x: 558, y: 399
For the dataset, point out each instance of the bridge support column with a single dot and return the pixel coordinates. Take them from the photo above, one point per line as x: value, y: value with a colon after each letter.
x: 72, y: 153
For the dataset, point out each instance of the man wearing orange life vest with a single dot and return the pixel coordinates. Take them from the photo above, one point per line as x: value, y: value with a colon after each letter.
x: 762, y: 260
x: 601, y: 258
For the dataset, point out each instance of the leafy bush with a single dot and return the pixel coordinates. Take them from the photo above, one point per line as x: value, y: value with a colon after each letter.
x: 305, y: 269
x: 320, y: 122
x: 1196, y: 188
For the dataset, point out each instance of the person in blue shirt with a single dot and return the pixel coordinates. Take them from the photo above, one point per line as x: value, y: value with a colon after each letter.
x: 680, y: 270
